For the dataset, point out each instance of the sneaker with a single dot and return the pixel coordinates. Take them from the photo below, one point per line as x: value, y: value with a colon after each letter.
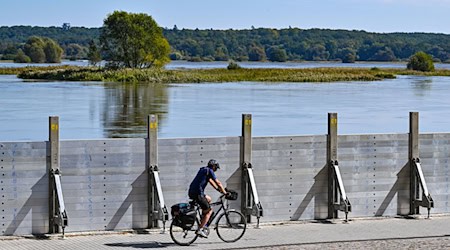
x: 201, y: 232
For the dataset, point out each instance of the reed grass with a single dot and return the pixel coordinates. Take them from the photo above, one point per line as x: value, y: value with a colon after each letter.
x: 72, y: 73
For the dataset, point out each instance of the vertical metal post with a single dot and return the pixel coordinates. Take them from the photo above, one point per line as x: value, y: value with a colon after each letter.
x: 332, y: 157
x: 413, y: 154
x: 245, y: 160
x: 152, y: 161
x: 54, y: 166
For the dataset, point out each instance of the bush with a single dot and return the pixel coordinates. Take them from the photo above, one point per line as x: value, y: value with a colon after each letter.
x: 233, y: 65
x: 421, y: 61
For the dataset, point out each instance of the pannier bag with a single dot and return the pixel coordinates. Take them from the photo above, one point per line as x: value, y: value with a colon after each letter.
x: 188, y: 219
x: 180, y: 208
x: 183, y: 215
x: 232, y: 195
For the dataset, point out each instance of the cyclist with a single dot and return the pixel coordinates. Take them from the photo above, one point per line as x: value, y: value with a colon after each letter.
x: 197, y: 192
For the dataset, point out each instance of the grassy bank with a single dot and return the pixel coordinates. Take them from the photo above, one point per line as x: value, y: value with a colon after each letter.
x: 71, y: 73
x: 17, y: 71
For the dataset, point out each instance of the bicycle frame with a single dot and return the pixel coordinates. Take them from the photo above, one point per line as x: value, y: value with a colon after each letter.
x: 223, y: 206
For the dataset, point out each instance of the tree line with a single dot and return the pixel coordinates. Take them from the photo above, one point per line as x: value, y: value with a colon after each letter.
x: 298, y: 44
x: 255, y: 44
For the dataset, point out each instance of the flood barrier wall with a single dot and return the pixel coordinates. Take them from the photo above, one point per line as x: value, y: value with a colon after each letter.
x: 105, y: 182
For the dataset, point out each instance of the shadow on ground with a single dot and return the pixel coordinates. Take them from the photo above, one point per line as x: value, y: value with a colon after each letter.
x: 152, y: 244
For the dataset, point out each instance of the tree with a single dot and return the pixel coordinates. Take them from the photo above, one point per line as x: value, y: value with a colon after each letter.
x: 21, y: 57
x: 41, y: 50
x: 221, y: 53
x: 383, y: 55
x: 349, y: 57
x: 52, y: 50
x: 75, y: 51
x: 276, y: 54
x: 133, y: 41
x: 421, y: 61
x: 318, y: 52
x: 94, y: 56
x: 34, y: 48
x: 439, y: 53
x: 256, y: 53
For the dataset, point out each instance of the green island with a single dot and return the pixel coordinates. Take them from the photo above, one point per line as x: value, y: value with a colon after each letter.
x: 156, y: 75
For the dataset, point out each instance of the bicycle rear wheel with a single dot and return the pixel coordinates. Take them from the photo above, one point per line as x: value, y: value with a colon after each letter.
x: 231, y: 226
x: 183, y: 237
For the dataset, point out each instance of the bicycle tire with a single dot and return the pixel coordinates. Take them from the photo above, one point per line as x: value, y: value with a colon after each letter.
x: 231, y: 226
x: 182, y: 236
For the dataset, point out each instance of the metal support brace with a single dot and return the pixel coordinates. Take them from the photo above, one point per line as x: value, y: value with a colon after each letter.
x: 156, y: 205
x: 419, y: 195
x: 420, y: 187
x: 250, y: 204
x: 57, y: 211
x: 337, y: 198
x: 254, y: 206
x: 340, y: 199
x: 60, y: 218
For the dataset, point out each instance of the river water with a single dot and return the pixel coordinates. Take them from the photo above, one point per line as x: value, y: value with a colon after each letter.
x: 105, y: 110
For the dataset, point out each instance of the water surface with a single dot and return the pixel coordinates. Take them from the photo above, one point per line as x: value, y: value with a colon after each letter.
x: 106, y: 110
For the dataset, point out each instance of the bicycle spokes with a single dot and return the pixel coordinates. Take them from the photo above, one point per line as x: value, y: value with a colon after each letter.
x: 231, y: 226
x: 182, y: 236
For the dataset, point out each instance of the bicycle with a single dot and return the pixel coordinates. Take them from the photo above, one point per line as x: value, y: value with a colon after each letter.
x: 230, y: 225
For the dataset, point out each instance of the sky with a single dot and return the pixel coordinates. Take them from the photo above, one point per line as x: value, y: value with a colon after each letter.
x: 381, y: 16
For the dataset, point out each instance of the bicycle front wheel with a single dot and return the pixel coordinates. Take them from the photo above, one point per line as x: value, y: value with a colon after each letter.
x: 181, y: 236
x: 231, y: 226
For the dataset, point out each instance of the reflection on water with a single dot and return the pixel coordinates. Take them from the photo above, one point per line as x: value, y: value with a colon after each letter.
x: 127, y: 107
x: 86, y: 109
x: 422, y: 85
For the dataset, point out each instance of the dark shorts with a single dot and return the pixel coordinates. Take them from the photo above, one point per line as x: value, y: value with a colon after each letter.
x: 201, y: 200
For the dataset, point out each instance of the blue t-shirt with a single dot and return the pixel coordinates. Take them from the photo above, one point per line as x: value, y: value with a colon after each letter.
x: 200, y: 181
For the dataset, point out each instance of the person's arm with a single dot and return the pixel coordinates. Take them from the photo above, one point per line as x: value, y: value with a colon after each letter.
x: 217, y: 185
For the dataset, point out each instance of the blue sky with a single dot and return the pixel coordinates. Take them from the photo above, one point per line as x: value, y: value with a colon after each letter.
x: 369, y: 15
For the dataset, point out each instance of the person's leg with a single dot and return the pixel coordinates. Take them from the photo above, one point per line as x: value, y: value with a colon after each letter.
x: 206, y: 214
x: 207, y: 211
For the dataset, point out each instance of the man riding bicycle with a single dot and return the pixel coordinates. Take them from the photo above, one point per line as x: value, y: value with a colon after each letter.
x: 197, y: 188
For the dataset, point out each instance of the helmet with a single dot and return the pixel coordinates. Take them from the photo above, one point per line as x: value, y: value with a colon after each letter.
x: 212, y: 163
